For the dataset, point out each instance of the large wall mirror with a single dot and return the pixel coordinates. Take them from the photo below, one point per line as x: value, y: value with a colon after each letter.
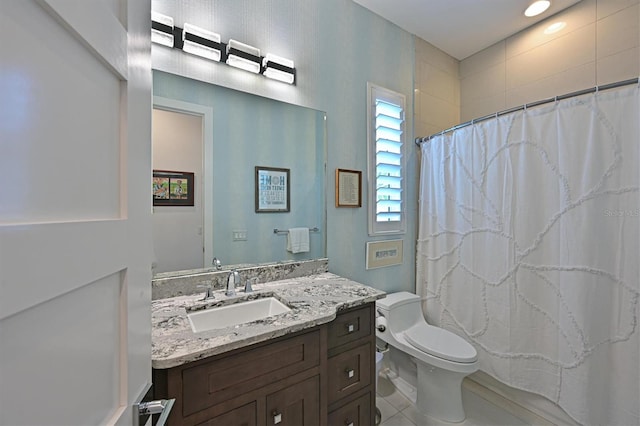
x: 222, y: 135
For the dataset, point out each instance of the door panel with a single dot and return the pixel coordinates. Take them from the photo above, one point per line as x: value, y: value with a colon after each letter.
x: 75, y: 236
x: 69, y: 108
x: 33, y: 362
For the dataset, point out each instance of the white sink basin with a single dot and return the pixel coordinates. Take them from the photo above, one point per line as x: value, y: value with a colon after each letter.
x: 238, y: 313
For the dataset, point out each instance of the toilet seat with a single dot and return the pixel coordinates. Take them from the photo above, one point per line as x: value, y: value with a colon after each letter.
x: 441, y: 343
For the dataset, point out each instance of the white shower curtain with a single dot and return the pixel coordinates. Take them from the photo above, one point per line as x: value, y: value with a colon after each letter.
x: 529, y: 248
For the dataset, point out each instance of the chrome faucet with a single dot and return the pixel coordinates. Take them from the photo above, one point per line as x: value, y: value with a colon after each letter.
x: 234, y: 278
x: 216, y: 263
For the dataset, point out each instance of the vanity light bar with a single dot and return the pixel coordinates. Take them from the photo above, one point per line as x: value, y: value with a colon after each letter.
x: 162, y: 29
x: 200, y: 42
x: 278, y: 68
x: 207, y: 44
x: 243, y: 56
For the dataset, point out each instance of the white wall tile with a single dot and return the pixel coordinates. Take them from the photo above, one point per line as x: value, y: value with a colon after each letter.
x: 621, y: 66
x: 482, y: 60
x: 426, y: 52
x: 599, y: 45
x: 574, y: 49
x: 437, y: 94
x: 618, y: 32
x: 567, y: 81
x: 608, y: 7
x: 480, y: 108
x: 484, y: 84
x: 576, y: 17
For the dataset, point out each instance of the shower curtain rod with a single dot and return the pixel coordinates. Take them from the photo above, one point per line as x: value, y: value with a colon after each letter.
x: 418, y: 141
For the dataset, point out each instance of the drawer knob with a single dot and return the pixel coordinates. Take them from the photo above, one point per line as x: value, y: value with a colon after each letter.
x: 350, y: 328
x: 348, y: 423
x: 350, y: 372
x: 277, y: 417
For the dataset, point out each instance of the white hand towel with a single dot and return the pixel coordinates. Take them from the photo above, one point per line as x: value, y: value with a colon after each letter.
x: 298, y: 240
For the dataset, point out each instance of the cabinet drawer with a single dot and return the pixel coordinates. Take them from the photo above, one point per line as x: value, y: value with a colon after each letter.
x: 354, y: 413
x: 349, y: 372
x: 350, y: 326
x: 296, y: 405
x: 205, y: 385
x: 241, y: 416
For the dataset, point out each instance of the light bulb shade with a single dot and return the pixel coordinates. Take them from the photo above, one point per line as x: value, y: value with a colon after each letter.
x: 278, y: 68
x: 243, y: 56
x: 555, y: 27
x: 201, y: 42
x: 537, y: 7
x: 161, y: 29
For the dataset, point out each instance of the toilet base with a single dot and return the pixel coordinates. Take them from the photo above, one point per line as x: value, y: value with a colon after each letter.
x: 439, y: 393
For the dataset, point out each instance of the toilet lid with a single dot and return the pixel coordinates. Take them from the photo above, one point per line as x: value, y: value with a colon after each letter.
x: 441, y: 343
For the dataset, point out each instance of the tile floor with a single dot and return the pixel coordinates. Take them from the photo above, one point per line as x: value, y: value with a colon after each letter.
x: 399, y: 411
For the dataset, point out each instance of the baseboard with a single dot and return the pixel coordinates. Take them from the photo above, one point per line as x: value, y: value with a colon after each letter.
x: 531, y: 408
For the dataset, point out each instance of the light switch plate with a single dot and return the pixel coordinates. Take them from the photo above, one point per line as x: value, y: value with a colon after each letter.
x: 239, y: 235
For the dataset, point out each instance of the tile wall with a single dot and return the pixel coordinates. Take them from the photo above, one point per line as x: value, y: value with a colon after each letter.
x: 599, y: 45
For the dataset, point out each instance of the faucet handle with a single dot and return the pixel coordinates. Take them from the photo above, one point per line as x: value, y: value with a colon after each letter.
x: 209, y: 290
x: 247, y: 286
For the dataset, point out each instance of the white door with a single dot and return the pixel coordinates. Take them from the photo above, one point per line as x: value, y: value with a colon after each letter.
x: 75, y: 228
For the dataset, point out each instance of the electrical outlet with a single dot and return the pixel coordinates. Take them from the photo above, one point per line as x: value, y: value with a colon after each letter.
x: 239, y: 235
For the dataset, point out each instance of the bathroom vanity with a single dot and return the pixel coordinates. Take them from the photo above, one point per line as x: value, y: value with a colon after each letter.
x: 312, y: 365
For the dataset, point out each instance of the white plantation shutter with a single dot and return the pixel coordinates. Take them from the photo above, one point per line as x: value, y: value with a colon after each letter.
x: 386, y: 160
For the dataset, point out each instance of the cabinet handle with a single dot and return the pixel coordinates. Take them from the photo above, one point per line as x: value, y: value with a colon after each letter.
x: 350, y: 373
x: 351, y: 328
x: 277, y: 417
x: 348, y: 423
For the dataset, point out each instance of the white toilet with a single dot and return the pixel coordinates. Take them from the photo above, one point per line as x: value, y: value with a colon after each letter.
x: 442, y: 358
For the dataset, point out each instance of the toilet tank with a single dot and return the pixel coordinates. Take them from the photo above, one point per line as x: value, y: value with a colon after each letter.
x: 401, y: 310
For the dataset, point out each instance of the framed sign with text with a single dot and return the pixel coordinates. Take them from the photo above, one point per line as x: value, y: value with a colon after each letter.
x: 348, y: 188
x: 383, y: 253
x: 272, y: 190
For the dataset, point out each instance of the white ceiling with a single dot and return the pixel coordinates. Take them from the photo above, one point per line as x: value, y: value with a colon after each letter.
x: 461, y: 27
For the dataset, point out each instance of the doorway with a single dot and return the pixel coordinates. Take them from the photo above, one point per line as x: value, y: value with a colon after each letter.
x: 178, y: 231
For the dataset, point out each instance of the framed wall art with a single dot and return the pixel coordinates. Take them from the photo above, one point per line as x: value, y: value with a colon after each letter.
x: 172, y: 188
x: 272, y: 190
x: 384, y: 253
x: 348, y: 188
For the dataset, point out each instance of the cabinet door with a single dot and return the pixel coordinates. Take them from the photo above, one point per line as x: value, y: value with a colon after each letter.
x: 355, y: 413
x: 241, y: 416
x: 297, y: 405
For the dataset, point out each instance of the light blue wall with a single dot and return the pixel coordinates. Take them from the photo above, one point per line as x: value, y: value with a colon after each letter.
x: 248, y: 131
x: 338, y: 47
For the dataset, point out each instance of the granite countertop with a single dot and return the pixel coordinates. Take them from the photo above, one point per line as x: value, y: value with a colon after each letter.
x: 313, y: 300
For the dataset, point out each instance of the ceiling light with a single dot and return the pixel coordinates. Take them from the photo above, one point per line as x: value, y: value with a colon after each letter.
x: 537, y: 7
x: 161, y: 29
x: 278, y: 68
x: 555, y: 27
x: 243, y: 56
x: 201, y: 42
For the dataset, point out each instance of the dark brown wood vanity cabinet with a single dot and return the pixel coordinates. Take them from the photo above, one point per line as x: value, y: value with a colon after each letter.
x: 320, y: 376
x: 351, y: 368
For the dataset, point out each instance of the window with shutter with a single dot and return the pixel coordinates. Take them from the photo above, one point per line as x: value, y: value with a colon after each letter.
x: 385, y: 119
